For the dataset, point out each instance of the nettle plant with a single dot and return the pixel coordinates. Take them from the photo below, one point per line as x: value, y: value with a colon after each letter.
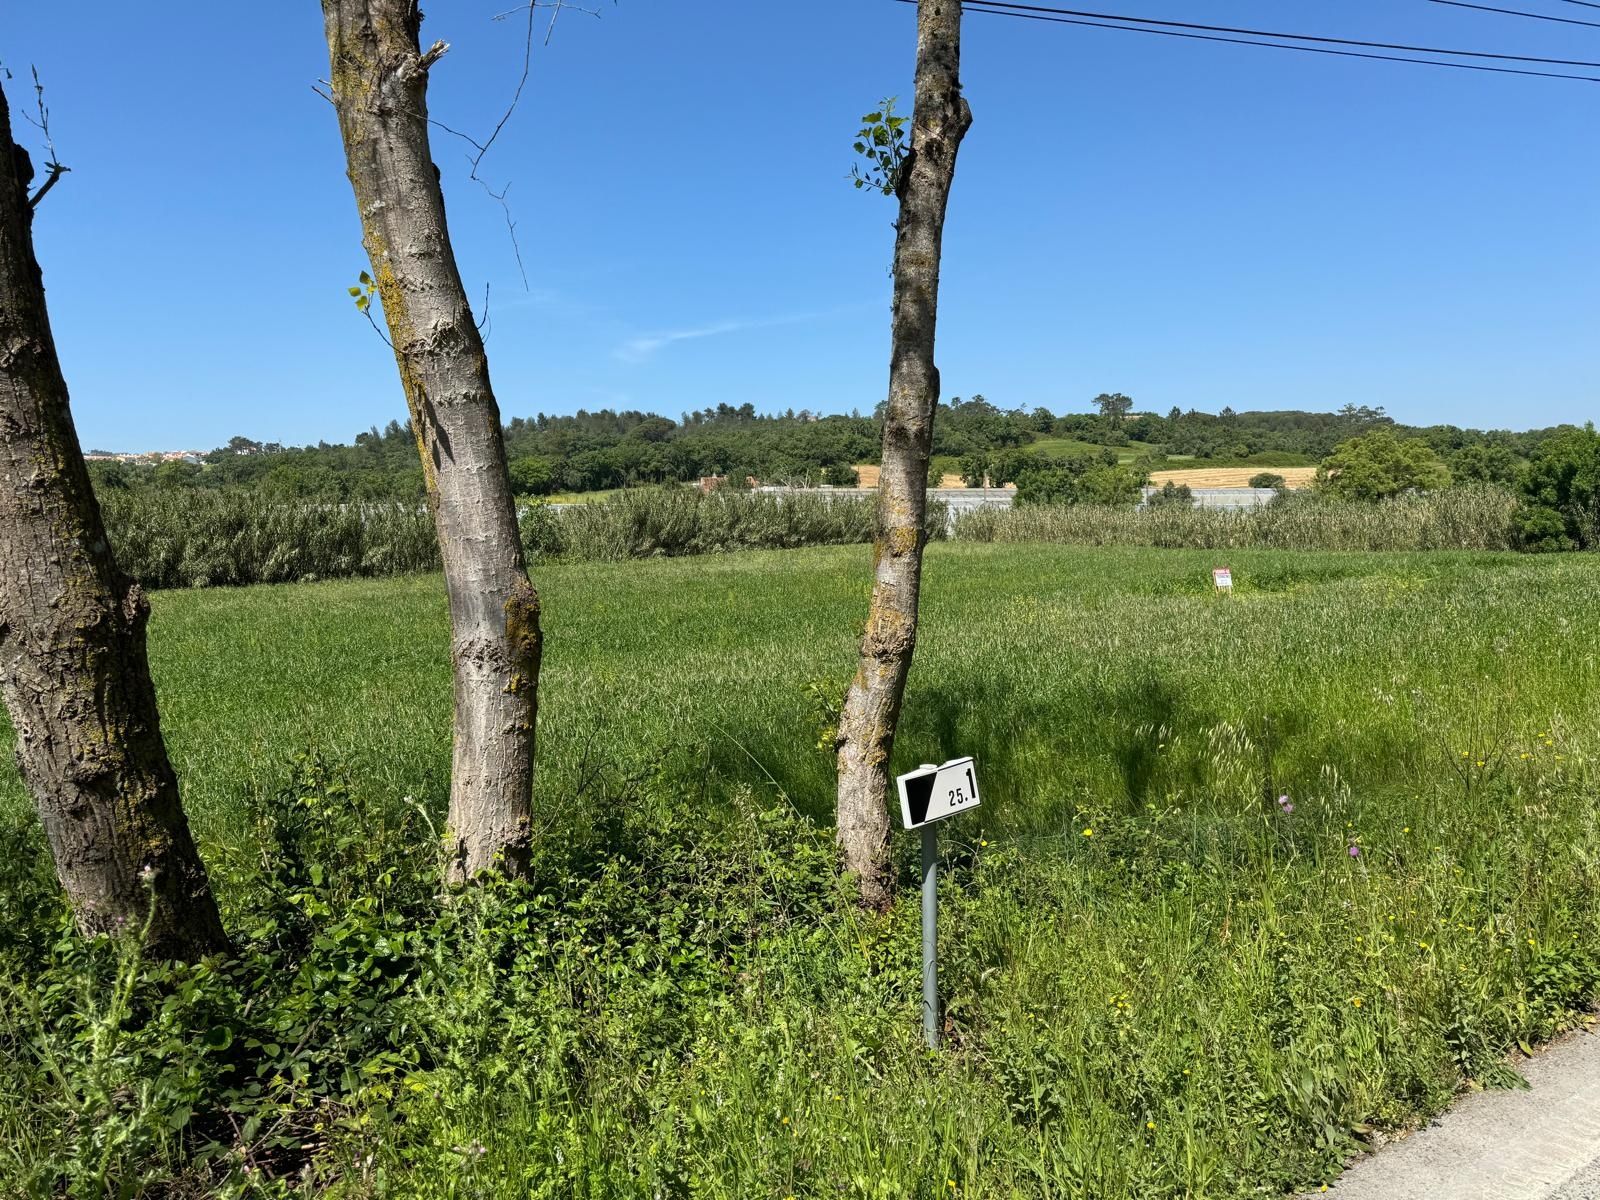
x: 886, y: 146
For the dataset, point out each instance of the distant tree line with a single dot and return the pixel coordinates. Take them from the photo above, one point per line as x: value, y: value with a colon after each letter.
x: 1104, y: 456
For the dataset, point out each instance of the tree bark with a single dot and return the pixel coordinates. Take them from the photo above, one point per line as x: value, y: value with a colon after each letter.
x: 73, y: 668
x: 380, y: 79
x: 872, y: 704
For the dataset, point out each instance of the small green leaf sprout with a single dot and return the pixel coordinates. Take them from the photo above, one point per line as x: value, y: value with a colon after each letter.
x: 885, y: 145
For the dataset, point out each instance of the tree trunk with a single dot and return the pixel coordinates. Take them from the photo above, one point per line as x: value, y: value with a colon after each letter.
x: 872, y: 703
x: 380, y: 79
x: 72, y: 641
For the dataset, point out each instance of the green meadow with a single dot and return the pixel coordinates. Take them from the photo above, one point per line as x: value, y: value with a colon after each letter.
x: 1258, y: 878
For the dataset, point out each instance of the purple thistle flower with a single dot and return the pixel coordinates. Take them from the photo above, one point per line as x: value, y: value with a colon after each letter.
x: 1355, y: 850
x: 1283, y: 803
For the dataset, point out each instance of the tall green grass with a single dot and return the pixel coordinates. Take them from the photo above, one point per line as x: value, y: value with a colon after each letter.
x: 213, y: 538
x: 672, y: 522
x: 1467, y: 518
x: 204, y: 538
x: 1160, y: 981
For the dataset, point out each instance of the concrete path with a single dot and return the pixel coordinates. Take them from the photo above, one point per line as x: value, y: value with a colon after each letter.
x: 1540, y: 1144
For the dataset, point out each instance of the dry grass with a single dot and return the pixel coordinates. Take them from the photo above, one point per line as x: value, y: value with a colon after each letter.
x: 1233, y: 477
x: 867, y: 477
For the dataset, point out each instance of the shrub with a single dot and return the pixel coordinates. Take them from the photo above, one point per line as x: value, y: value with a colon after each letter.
x: 1170, y: 493
x: 1561, y: 487
x: 1268, y: 479
x: 532, y: 475
x: 542, y: 532
x: 1073, y: 481
x: 1379, y: 466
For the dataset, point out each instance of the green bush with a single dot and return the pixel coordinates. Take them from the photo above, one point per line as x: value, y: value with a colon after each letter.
x: 1169, y: 493
x: 1561, y: 487
x: 532, y: 475
x: 1078, y: 480
x: 1267, y: 479
x: 1380, y: 466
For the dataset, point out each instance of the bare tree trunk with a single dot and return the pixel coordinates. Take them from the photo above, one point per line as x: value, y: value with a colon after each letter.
x: 872, y: 704
x: 380, y: 80
x: 72, y: 641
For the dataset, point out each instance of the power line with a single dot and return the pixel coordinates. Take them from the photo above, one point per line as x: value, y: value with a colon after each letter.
x: 1584, y: 3
x: 1517, y: 12
x: 1201, y: 37
x: 1267, y: 33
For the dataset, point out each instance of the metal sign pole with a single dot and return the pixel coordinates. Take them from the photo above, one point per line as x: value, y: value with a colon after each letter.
x: 927, y: 796
x: 930, y: 935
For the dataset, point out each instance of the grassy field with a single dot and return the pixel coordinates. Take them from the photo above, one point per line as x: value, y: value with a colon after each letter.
x: 1255, y: 876
x: 1060, y: 447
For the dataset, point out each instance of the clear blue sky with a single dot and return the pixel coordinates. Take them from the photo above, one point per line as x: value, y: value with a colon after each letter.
x: 1191, y: 224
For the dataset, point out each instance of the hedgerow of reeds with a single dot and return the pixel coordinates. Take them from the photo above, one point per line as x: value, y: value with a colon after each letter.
x: 1464, y: 518
x: 669, y: 522
x: 211, y: 538
x: 206, y: 538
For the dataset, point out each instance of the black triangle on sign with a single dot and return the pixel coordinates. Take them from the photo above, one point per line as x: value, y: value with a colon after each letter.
x: 919, y: 795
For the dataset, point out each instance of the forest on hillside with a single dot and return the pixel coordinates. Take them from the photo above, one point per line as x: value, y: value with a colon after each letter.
x: 594, y: 451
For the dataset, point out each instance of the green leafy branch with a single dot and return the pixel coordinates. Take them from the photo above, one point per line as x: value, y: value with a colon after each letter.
x: 886, y: 146
x: 363, y: 294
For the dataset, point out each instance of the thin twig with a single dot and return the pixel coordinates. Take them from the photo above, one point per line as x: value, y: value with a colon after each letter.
x: 485, y: 319
x: 511, y: 226
x: 482, y: 148
x: 367, y: 313
x: 42, y: 123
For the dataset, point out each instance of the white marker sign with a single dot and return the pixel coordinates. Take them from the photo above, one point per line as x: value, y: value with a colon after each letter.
x: 931, y: 794
x: 1223, y: 578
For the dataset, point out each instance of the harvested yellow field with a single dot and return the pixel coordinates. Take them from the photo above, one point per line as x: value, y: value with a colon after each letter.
x: 1202, y: 477
x: 1233, y: 477
x: 867, y: 477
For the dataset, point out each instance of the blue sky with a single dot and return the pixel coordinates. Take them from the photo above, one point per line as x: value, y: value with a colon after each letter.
x: 1191, y: 224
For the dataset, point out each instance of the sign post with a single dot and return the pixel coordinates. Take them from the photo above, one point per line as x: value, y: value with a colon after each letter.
x: 927, y: 796
x: 930, y: 935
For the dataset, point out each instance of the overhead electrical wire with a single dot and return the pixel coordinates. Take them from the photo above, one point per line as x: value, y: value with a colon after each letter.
x: 982, y: 6
x: 1517, y: 12
x: 1007, y: 5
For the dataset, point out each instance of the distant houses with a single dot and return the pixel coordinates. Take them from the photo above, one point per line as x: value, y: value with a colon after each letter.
x: 148, y: 458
